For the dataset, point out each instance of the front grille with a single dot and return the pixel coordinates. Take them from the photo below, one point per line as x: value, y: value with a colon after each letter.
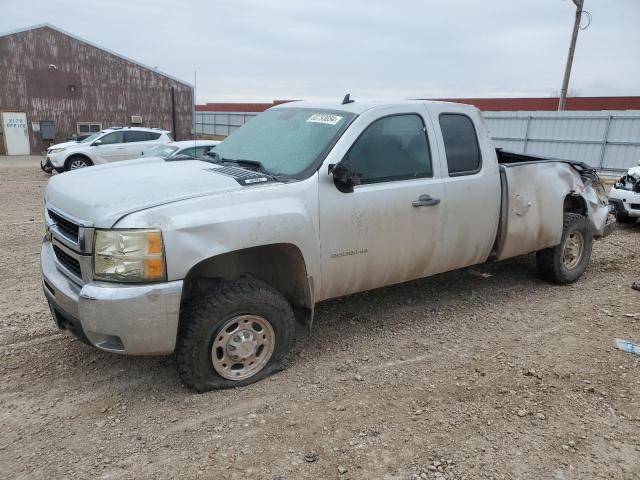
x: 66, y: 226
x: 68, y: 261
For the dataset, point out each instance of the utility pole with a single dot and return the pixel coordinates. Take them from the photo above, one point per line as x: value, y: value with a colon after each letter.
x: 572, y: 48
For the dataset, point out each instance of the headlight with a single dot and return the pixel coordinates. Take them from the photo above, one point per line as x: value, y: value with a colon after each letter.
x: 129, y: 256
x: 56, y: 150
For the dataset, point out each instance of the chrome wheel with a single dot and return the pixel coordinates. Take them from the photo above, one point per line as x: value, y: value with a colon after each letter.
x: 76, y: 164
x: 573, y: 250
x: 243, y: 347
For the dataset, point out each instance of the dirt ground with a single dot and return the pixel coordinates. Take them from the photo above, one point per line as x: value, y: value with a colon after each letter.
x: 459, y: 376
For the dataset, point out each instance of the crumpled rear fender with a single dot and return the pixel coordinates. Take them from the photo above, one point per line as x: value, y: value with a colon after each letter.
x: 535, y: 194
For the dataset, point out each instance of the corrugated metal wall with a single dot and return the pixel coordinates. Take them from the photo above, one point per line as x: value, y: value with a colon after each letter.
x: 220, y: 123
x: 608, y: 140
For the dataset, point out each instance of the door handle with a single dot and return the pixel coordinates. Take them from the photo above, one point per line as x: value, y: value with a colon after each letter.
x: 425, y: 201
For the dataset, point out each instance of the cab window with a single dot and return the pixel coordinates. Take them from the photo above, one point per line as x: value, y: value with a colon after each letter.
x: 391, y: 148
x: 460, y: 144
x: 137, y: 136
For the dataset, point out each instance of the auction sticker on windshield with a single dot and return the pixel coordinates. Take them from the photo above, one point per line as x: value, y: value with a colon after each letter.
x: 327, y: 118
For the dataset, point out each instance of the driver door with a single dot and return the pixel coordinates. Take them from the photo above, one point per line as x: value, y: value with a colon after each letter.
x: 390, y: 228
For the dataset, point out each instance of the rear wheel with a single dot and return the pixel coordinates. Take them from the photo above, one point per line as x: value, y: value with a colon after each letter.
x: 234, y: 335
x: 74, y: 163
x: 565, y: 263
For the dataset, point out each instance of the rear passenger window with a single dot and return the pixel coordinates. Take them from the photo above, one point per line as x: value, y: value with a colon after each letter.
x: 391, y: 148
x: 137, y: 136
x: 460, y: 144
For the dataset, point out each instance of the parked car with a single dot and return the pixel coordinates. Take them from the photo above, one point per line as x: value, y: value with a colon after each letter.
x: 184, y: 150
x: 221, y: 259
x: 109, y: 145
x: 625, y: 196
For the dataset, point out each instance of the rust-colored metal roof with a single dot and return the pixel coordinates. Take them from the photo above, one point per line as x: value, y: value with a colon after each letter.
x: 485, y: 104
x: 551, y: 103
x: 238, y: 107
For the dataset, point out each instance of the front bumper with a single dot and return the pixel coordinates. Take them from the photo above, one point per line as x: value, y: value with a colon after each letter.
x: 129, y: 319
x: 48, y: 166
x: 626, y: 203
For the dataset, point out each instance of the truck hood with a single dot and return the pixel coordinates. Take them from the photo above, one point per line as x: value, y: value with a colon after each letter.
x: 103, y: 194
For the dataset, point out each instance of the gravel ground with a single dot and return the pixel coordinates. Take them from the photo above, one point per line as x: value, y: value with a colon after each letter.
x: 481, y: 373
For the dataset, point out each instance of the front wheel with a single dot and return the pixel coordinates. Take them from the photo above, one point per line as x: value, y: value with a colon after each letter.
x: 74, y: 163
x: 565, y: 263
x: 234, y: 335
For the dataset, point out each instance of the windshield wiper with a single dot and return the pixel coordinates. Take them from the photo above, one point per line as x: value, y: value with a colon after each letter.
x: 241, y: 162
x: 254, y: 164
x: 214, y: 157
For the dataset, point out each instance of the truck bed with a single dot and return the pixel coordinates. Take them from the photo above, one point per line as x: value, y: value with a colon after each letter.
x: 532, y: 189
x: 506, y: 157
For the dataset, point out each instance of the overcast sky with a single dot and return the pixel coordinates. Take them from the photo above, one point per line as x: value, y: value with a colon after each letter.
x: 259, y: 50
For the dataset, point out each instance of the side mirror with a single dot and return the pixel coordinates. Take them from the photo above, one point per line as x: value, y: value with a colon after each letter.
x: 97, y: 143
x: 343, y: 177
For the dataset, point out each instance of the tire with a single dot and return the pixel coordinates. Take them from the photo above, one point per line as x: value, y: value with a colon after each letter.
x: 76, y: 162
x: 207, y: 336
x: 563, y: 269
x: 622, y: 218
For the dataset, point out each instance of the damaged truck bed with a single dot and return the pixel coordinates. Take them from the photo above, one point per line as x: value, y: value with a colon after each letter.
x: 532, y: 188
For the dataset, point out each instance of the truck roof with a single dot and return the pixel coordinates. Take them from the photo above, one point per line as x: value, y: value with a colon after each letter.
x: 360, y: 106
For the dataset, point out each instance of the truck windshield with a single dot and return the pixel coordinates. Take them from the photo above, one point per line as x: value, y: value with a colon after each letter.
x: 288, y: 142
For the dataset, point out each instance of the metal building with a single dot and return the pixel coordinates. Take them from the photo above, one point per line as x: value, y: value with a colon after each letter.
x: 54, y: 85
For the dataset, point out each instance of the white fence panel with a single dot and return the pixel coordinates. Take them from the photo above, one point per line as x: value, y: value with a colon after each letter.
x: 608, y: 140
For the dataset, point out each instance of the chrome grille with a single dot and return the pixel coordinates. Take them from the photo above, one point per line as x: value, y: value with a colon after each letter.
x: 68, y: 262
x: 71, y: 241
x: 67, y: 227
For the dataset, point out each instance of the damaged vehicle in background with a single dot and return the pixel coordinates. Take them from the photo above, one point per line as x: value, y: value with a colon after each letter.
x: 222, y: 258
x: 109, y: 145
x: 625, y: 196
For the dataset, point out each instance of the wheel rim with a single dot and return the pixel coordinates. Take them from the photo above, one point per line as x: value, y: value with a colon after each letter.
x: 76, y: 164
x: 573, y: 250
x: 242, y: 347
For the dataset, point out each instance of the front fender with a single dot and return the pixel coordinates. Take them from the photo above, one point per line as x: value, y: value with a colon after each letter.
x: 200, y: 228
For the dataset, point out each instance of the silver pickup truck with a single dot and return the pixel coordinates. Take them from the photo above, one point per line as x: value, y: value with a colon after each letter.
x: 221, y: 260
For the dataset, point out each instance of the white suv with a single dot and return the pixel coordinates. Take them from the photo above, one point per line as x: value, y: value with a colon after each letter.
x: 109, y: 145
